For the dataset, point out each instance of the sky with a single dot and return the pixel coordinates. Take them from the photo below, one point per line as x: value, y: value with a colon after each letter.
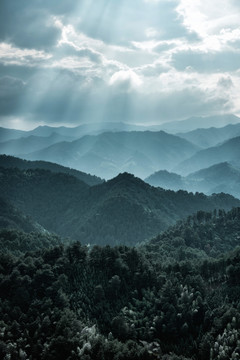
x: 71, y: 62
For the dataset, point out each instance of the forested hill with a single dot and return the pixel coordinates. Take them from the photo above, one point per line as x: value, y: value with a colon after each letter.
x: 124, y: 210
x: 202, y: 235
x: 7, y: 161
x: 122, y: 303
x: 12, y: 218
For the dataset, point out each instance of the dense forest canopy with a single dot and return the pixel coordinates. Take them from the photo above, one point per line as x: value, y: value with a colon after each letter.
x: 177, y: 297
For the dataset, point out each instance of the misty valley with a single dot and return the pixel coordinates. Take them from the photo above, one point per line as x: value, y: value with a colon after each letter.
x: 121, y: 241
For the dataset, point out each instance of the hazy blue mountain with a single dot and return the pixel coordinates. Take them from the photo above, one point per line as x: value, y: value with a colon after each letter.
x: 73, y: 133
x: 228, y: 151
x: 222, y: 177
x: 211, y: 137
x: 13, y: 162
x: 87, y: 129
x: 166, y: 180
x: 31, y: 143
x: 194, y: 123
x: 123, y: 210
x: 109, y: 153
x: 9, y: 134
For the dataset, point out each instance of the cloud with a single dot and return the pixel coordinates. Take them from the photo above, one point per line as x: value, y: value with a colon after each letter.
x: 129, y: 22
x: 66, y: 49
x: 40, y: 32
x: 208, y: 18
x: 125, y: 80
x: 225, y: 82
x: 79, y: 61
x: 11, y: 90
x: 207, y: 61
x: 10, y: 55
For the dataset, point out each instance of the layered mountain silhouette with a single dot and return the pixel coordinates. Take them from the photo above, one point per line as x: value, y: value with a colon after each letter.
x: 212, y: 136
x: 31, y: 143
x: 124, y: 210
x: 229, y: 151
x: 9, y: 134
x: 223, y: 177
x: 108, y: 154
x: 74, y: 132
x: 195, y: 122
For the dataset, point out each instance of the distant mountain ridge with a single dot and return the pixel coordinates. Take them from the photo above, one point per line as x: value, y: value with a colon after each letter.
x: 212, y: 136
x: 31, y: 143
x: 107, y: 154
x: 229, y: 151
x: 78, y: 131
x: 195, y: 122
x: 222, y: 177
x: 75, y: 132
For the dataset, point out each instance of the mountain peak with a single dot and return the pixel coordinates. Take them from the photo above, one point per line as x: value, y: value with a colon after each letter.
x: 125, y: 176
x: 126, y: 179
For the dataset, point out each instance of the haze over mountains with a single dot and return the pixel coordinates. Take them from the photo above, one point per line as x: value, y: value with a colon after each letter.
x: 109, y: 153
x: 195, y: 122
x: 222, y: 177
x: 111, y: 148
x: 228, y: 151
x: 205, y: 138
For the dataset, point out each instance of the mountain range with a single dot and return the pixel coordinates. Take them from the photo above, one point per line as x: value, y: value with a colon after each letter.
x: 213, y: 136
x: 98, y: 128
x: 123, y: 210
x: 222, y: 177
x: 195, y: 122
x: 108, y: 149
x: 24, y: 145
x: 229, y: 151
x: 108, y: 154
x: 72, y: 133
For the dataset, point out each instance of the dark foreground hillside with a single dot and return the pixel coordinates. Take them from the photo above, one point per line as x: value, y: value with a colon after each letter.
x: 124, y: 210
x: 7, y: 161
x: 125, y: 303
